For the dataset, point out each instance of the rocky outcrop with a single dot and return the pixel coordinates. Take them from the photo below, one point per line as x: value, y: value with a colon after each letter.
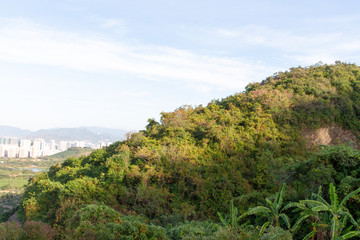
x: 331, y: 136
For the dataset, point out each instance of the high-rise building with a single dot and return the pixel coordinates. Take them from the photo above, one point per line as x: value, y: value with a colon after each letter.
x: 2, y: 150
x: 12, y: 141
x: 25, y: 147
x: 39, y: 144
x: 52, y: 145
x: 25, y: 143
x: 24, y: 152
x: 12, y: 151
x: 63, y: 145
x: 37, y: 148
x: 34, y: 152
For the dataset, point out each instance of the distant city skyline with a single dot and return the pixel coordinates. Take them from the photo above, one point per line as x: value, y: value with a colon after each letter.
x: 15, y: 147
x: 116, y: 64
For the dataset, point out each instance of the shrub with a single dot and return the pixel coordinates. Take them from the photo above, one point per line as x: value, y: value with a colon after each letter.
x: 242, y: 233
x: 97, y: 221
x: 10, y: 231
x: 273, y: 233
x: 89, y: 218
x: 37, y: 230
x: 132, y: 228
x: 194, y: 230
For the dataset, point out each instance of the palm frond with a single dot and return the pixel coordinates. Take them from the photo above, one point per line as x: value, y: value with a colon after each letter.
x: 286, y: 219
x: 315, y: 203
x: 258, y: 210
x: 309, y: 235
x: 299, y: 222
x: 350, y: 235
x: 346, y: 198
x: 263, y: 227
x: 333, y: 197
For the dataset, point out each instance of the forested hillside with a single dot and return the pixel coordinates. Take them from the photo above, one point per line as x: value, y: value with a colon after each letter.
x: 201, y: 171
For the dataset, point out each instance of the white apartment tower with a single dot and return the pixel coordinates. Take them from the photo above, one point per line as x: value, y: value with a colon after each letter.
x: 25, y: 148
x: 2, y: 150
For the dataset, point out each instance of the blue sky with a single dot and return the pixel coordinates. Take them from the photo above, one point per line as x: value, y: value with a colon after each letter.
x: 117, y: 63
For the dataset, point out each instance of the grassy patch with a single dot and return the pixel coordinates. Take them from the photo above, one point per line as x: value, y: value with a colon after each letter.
x: 12, y: 183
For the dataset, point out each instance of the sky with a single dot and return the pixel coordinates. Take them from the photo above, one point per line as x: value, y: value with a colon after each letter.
x: 115, y: 64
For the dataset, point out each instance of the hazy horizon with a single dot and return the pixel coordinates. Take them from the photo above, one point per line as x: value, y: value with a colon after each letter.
x: 116, y: 64
x: 76, y: 127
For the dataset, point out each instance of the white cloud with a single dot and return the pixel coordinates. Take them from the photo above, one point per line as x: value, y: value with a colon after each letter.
x: 280, y: 39
x: 342, y: 20
x: 304, y: 48
x: 312, y: 59
x: 117, y: 25
x: 24, y: 42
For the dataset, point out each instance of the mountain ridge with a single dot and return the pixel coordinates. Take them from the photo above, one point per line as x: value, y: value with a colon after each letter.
x: 93, y: 133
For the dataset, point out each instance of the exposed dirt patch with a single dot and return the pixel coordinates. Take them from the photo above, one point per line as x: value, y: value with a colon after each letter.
x: 8, y: 191
x: 330, y: 136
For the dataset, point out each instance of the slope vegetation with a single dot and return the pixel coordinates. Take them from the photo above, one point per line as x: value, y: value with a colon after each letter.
x: 195, y: 160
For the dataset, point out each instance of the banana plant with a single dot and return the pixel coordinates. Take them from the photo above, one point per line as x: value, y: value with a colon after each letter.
x: 306, y: 213
x: 339, y: 214
x: 273, y: 211
x: 233, y: 219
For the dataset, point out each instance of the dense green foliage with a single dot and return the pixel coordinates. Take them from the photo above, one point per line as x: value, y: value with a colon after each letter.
x: 191, y: 164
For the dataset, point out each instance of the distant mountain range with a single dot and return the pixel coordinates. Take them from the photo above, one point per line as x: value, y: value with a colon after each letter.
x: 92, y: 134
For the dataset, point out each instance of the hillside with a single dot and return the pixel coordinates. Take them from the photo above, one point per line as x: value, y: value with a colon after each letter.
x: 8, y: 131
x: 191, y: 164
x: 71, y: 152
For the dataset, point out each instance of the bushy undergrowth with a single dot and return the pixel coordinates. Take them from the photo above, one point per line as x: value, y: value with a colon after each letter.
x: 194, y: 230
x: 96, y: 221
x: 31, y: 230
